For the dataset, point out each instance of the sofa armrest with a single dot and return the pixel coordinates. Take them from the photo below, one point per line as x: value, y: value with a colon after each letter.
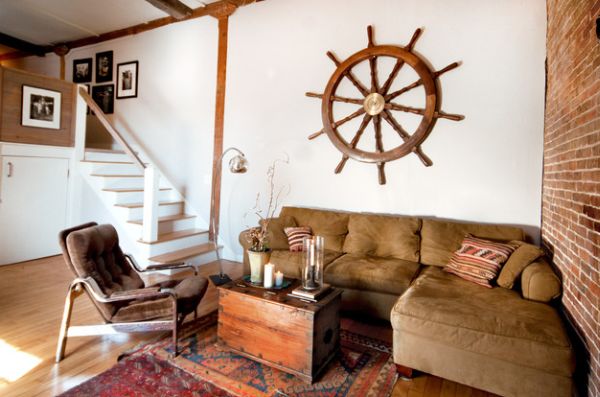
x: 539, y: 282
x: 243, y: 238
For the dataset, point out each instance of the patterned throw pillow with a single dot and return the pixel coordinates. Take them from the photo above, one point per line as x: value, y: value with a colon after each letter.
x: 296, y: 236
x: 479, y: 260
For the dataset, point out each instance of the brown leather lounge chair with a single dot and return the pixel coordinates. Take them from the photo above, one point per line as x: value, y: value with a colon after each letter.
x: 111, y: 280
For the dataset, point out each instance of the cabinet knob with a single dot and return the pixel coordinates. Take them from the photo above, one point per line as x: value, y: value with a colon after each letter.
x: 10, y: 169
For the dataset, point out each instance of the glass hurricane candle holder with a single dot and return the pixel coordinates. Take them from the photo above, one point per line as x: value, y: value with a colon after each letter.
x: 312, y: 273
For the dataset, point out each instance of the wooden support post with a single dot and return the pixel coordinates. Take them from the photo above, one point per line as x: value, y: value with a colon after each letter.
x: 61, y: 51
x: 62, y: 67
x: 219, y: 124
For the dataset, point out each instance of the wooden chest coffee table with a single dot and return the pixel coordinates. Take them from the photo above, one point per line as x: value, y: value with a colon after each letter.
x: 294, y: 336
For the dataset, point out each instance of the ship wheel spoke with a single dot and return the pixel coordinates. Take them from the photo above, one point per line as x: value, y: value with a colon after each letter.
x: 389, y: 117
x: 355, y: 101
x: 437, y: 115
x: 354, y: 142
x: 399, y: 63
x: 339, y: 122
x: 348, y: 73
x: 417, y: 83
x: 373, y: 62
x: 379, y: 148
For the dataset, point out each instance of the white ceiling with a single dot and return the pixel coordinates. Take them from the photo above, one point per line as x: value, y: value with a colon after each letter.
x: 47, y: 22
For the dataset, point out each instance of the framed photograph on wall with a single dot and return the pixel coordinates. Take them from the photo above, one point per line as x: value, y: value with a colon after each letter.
x: 82, y: 70
x: 104, y: 66
x: 104, y: 96
x: 40, y: 108
x: 127, y: 80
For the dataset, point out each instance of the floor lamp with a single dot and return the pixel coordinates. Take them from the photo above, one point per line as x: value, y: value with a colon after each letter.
x: 237, y: 165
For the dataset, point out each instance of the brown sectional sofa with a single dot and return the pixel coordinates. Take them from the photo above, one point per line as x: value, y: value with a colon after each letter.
x: 509, y: 342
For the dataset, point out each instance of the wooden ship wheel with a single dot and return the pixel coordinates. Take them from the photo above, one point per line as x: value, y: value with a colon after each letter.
x: 377, y: 103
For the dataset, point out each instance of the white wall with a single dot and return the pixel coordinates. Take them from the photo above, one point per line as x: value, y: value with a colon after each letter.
x: 486, y: 168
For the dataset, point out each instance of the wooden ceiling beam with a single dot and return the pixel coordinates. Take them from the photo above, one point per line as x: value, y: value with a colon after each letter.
x: 218, y: 9
x: 174, y: 8
x: 23, y: 46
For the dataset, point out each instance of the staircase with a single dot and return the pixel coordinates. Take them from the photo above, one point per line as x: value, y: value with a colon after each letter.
x: 154, y: 215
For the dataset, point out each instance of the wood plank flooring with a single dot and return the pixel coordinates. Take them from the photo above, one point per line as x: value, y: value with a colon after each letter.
x: 31, y: 302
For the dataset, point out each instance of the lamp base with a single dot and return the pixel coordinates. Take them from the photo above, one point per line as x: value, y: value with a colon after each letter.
x: 219, y: 279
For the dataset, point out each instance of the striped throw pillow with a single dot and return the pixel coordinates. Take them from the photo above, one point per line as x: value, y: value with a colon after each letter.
x: 479, y: 260
x: 296, y: 236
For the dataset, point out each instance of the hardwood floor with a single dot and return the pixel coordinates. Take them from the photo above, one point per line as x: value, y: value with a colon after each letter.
x: 31, y: 302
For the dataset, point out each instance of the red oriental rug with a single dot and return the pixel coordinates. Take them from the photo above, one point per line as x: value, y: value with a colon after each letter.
x: 363, y: 367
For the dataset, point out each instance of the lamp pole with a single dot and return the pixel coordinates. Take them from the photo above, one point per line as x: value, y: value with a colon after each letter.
x: 237, y: 165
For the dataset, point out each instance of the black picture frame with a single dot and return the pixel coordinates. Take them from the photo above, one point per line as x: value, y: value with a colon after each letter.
x: 82, y: 70
x: 40, y: 107
x: 104, y: 67
x: 127, y: 79
x: 104, y: 96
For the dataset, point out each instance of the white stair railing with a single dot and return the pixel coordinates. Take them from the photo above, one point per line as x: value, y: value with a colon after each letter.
x: 151, y: 174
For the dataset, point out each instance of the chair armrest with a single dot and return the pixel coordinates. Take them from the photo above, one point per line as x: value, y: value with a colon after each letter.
x: 93, y: 289
x: 138, y: 293
x: 158, y: 267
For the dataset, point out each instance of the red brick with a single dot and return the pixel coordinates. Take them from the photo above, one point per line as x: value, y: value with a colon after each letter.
x: 571, y: 181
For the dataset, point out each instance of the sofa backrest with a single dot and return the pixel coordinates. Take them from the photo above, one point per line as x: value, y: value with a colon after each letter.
x: 332, y: 225
x: 439, y: 239
x: 384, y: 236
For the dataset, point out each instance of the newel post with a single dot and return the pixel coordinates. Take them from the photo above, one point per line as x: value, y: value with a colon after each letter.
x: 80, y: 123
x: 150, y: 218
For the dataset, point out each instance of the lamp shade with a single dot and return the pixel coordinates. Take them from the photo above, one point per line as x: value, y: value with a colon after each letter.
x: 238, y: 164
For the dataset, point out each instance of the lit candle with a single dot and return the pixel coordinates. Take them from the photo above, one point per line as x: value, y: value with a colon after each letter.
x: 278, y: 279
x: 268, y: 278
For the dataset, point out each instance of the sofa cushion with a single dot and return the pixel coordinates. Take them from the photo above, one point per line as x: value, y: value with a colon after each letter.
x: 494, y: 322
x: 333, y: 226
x: 371, y: 273
x: 277, y: 239
x: 291, y: 263
x: 439, y: 239
x: 479, y: 260
x: 519, y: 260
x: 383, y: 236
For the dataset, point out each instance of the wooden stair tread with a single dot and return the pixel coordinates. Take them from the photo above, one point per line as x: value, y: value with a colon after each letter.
x: 183, y: 254
x: 91, y: 149
x: 118, y: 175
x: 175, y: 235
x: 140, y: 205
x: 106, y: 162
x: 131, y: 189
x: 166, y: 218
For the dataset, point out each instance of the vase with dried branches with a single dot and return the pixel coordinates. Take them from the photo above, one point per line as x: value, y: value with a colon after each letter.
x: 259, y: 252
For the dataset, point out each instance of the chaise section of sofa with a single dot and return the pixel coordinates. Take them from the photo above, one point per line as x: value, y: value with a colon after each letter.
x: 505, y: 341
x: 492, y: 339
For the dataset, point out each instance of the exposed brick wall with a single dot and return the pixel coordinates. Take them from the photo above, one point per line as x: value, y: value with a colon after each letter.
x: 571, y: 182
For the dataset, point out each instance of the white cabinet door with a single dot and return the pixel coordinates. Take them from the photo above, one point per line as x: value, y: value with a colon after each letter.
x: 33, y: 207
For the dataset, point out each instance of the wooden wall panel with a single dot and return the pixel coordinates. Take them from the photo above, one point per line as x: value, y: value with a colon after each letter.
x: 11, y: 129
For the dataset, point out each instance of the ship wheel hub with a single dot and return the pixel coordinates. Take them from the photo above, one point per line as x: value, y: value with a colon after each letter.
x: 374, y: 104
